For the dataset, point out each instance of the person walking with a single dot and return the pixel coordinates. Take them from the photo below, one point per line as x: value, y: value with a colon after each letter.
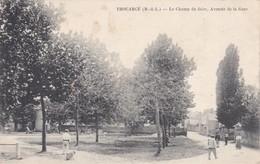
x: 217, y: 139
x: 66, y: 141
x: 226, y: 138
x: 212, y: 147
x: 238, y: 141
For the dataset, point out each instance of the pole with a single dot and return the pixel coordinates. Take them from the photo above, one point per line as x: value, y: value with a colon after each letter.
x: 17, y: 150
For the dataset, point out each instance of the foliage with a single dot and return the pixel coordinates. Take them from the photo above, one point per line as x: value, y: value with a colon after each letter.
x: 162, y: 73
x: 32, y: 68
x: 57, y: 112
x: 97, y: 83
x: 72, y: 53
x: 26, y: 28
x: 229, y: 89
x: 128, y: 110
x: 161, y: 81
x: 25, y: 114
x: 91, y: 98
x: 4, y: 115
x: 250, y: 121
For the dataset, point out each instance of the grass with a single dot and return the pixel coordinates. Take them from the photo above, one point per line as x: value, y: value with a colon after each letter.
x: 131, y: 147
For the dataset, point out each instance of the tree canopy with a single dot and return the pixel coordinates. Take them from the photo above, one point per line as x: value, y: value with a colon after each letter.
x: 251, y: 100
x: 161, y: 78
x: 32, y: 68
x: 229, y: 89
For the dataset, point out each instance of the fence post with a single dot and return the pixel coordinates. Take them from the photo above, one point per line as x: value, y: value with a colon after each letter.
x: 17, y: 150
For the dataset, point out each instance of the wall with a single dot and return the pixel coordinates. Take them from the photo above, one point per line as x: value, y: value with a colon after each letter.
x: 250, y: 139
x: 193, y: 128
x: 81, y: 128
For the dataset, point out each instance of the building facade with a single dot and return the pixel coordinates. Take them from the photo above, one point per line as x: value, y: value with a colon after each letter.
x: 203, y: 122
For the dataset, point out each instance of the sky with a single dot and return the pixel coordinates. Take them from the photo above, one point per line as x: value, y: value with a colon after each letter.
x: 203, y: 35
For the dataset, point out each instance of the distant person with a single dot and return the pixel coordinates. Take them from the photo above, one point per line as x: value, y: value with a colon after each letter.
x: 28, y: 130
x: 238, y: 141
x: 226, y: 138
x: 57, y: 127
x: 66, y: 140
x: 212, y: 147
x: 217, y: 139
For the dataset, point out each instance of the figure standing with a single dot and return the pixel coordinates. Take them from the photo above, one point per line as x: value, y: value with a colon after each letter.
x: 66, y: 141
x: 212, y: 147
x: 226, y: 138
x: 238, y: 141
x: 217, y: 139
x: 57, y: 127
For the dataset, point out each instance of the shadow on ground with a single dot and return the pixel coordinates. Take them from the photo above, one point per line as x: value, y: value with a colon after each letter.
x: 134, y: 147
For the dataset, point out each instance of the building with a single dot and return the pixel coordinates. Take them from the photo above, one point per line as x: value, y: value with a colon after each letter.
x: 193, y: 121
x: 203, y: 122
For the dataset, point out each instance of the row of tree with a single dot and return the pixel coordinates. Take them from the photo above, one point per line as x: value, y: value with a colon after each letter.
x: 39, y: 63
x: 72, y: 77
x: 236, y: 102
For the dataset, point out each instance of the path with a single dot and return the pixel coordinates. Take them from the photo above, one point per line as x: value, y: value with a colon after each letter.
x: 226, y: 155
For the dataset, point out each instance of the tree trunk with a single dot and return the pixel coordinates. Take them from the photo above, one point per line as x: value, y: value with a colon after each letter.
x: 15, y: 126
x: 3, y: 126
x: 125, y: 127
x: 33, y: 125
x: 76, y: 123
x: 169, y: 130
x: 251, y: 143
x: 158, y: 128
x: 96, y: 125
x: 165, y: 131
x: 163, y: 137
x: 59, y: 129
x: 43, y: 125
x: 118, y: 129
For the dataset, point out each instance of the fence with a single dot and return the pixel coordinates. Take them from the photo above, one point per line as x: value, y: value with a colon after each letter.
x: 17, y: 150
x: 137, y: 130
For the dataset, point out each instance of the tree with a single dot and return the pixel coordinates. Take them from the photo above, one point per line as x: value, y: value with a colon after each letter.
x: 161, y: 79
x: 230, y: 108
x: 74, y: 49
x: 33, y: 69
x: 95, y: 99
x: 251, y: 99
x: 127, y: 111
x: 4, y: 115
x: 58, y: 113
x: 25, y: 114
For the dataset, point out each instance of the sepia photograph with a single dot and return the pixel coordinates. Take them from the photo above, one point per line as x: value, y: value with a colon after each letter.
x: 129, y: 81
